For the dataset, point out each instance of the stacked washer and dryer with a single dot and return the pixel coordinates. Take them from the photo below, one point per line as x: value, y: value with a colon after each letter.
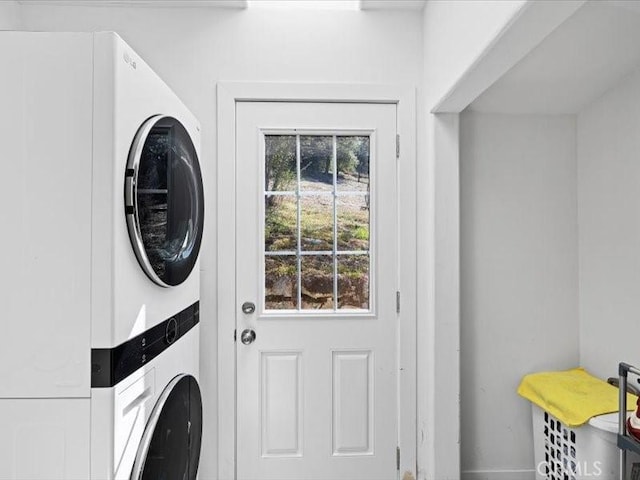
x: 102, y: 220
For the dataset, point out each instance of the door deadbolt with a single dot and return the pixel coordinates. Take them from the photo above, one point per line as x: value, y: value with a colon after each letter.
x: 248, y: 307
x: 248, y: 336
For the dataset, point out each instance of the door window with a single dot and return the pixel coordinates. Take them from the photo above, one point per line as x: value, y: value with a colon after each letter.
x: 317, y: 223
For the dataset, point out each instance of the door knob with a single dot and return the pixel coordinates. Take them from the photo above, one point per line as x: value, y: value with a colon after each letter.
x: 247, y: 336
x: 248, y: 307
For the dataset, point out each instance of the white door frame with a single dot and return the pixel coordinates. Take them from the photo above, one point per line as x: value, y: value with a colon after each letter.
x: 228, y: 94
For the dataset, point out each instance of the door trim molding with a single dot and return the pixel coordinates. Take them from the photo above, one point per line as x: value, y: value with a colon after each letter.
x: 228, y: 94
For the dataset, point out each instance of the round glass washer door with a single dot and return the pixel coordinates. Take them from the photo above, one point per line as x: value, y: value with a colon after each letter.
x: 164, y: 202
x: 170, y: 445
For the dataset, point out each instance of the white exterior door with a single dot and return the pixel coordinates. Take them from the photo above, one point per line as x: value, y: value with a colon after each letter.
x: 316, y: 282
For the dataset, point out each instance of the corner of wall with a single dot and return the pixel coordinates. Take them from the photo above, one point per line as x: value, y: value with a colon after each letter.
x: 609, y: 234
x: 455, y: 34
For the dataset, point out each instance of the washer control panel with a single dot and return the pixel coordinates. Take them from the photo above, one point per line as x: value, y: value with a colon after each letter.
x: 110, y: 366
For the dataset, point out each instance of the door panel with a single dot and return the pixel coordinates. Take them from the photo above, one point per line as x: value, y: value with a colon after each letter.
x: 316, y: 233
x: 352, y: 403
x: 281, y: 398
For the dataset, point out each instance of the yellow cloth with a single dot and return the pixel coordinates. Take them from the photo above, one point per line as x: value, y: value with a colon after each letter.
x: 572, y: 396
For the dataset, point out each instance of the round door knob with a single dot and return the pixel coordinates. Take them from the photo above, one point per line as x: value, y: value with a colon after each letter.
x: 248, y: 336
x: 248, y: 307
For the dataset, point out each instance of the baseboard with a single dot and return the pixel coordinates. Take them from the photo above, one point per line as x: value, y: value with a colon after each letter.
x: 499, y: 475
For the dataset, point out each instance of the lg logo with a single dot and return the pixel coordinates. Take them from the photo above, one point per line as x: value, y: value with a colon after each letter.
x: 129, y: 60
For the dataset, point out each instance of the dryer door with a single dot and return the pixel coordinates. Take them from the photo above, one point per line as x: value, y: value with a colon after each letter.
x: 170, y: 446
x: 164, y: 202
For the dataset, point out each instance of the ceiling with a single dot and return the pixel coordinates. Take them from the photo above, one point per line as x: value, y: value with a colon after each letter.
x: 364, y: 4
x: 392, y: 4
x: 587, y: 55
x: 140, y: 3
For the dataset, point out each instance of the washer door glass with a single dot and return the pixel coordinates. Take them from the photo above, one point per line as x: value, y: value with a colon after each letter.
x: 164, y: 200
x: 170, y: 446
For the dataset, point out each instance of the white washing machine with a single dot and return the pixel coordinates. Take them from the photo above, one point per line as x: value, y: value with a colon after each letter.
x: 102, y: 221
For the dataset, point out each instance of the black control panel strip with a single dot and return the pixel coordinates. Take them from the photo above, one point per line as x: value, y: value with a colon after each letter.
x: 110, y: 366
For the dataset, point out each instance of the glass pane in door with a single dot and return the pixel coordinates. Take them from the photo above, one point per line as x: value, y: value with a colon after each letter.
x: 281, y: 282
x: 317, y: 224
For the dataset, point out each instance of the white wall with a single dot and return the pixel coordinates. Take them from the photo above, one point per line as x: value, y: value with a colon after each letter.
x: 455, y: 35
x: 10, y: 15
x: 519, y: 270
x: 609, y: 219
x: 193, y: 48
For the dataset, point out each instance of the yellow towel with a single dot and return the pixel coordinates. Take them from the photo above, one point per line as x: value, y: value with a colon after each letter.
x: 572, y: 396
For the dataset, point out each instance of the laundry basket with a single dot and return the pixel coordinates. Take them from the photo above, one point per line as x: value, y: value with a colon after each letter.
x: 576, y: 453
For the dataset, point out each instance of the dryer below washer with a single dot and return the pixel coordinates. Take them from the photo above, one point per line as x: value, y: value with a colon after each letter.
x: 154, y: 411
x: 144, y: 423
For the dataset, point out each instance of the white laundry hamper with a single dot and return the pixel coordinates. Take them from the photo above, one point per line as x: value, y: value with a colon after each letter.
x: 588, y: 452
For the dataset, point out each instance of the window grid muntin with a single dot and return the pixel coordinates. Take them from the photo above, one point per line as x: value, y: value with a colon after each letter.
x: 311, y: 193
x: 334, y: 141
x: 335, y: 193
x: 299, y: 226
x: 340, y: 253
